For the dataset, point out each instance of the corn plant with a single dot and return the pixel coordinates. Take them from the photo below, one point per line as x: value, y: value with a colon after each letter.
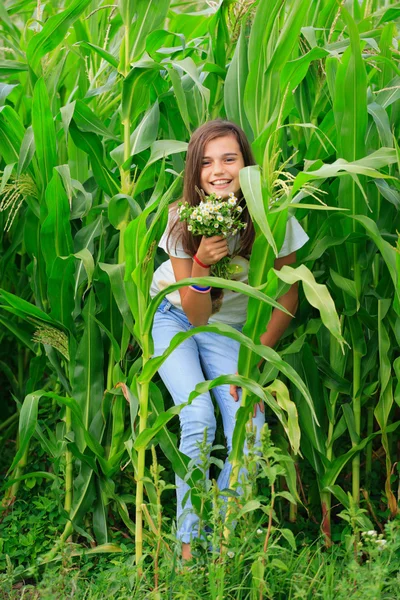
x: 97, y: 104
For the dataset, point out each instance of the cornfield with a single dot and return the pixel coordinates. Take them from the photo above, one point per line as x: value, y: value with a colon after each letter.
x: 97, y: 104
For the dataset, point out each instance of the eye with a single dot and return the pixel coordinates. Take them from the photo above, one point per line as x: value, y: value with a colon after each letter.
x: 205, y: 163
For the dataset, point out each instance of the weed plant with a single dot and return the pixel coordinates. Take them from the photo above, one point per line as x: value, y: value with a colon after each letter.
x: 261, y: 560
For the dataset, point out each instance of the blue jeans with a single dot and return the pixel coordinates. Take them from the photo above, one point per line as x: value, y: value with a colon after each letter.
x: 202, y: 356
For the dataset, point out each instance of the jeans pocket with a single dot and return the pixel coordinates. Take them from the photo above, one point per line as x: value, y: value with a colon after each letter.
x: 164, y: 306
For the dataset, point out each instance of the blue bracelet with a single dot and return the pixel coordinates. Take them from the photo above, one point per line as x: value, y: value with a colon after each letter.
x: 198, y: 288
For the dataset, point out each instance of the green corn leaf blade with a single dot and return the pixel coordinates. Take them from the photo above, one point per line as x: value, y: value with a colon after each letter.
x: 265, y: 352
x: 141, y: 18
x: 162, y: 148
x: 351, y: 425
x: 28, y: 420
x: 390, y: 93
x: 391, y: 194
x: 60, y: 291
x: 180, y: 97
x: 143, y: 136
x: 121, y: 209
x: 306, y: 367
x: 146, y: 436
x: 188, y: 66
x: 27, y: 425
x: 366, y: 166
x: 88, y: 378
x: 91, y: 144
x: 27, y: 151
x: 25, y: 309
x: 44, y: 132
x: 12, y: 67
x: 118, y: 427
x: 114, y: 344
x: 391, y: 14
x: 84, y: 495
x: 260, y: 34
x: 235, y: 84
x: 317, y: 295
x: 236, y: 286
x: 251, y: 186
x: 10, y: 376
x: 20, y: 332
x: 385, y: 402
x: 53, y: 32
x: 347, y: 285
x: 11, y: 134
x: 283, y: 400
x: 351, y: 117
x: 136, y: 90
x: 257, y: 392
x: 56, y: 238
x: 100, y: 528
x: 387, y: 251
x: 34, y: 475
x: 382, y: 123
x: 100, y: 51
x: 339, y: 463
x: 87, y: 262
x: 87, y: 120
x: 5, y: 91
x: 116, y: 276
x: 295, y: 70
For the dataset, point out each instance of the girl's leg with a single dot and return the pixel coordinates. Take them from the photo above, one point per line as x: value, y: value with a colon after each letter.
x: 181, y: 372
x: 219, y: 356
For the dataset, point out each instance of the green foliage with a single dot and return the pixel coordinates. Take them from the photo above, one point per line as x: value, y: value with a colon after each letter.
x: 96, y: 109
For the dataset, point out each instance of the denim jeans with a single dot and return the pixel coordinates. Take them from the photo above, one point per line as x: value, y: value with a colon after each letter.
x: 202, y: 356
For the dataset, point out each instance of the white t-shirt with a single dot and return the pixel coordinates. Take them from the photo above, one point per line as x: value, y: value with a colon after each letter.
x: 233, y: 307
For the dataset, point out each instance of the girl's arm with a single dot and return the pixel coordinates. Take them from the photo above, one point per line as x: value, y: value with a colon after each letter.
x: 197, y: 306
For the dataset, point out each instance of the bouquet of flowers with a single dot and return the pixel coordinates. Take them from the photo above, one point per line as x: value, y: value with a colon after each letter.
x: 214, y: 216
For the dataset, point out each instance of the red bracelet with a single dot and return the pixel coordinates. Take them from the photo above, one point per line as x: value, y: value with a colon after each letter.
x: 200, y: 263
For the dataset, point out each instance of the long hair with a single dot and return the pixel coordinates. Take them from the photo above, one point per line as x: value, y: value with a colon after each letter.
x: 195, y: 152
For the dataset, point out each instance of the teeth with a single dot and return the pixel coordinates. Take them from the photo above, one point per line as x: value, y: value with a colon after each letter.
x: 221, y: 181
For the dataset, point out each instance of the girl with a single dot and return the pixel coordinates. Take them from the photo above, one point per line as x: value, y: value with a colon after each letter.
x: 216, y: 153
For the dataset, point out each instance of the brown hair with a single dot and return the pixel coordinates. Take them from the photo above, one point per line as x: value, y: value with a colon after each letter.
x: 200, y: 138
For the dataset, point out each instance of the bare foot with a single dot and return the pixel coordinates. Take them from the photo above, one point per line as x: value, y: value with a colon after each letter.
x: 186, y: 553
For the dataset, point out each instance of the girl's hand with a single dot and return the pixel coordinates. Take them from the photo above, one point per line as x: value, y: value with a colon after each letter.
x: 212, y: 249
x: 233, y: 390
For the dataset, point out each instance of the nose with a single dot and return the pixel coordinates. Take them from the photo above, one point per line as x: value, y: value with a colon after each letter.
x: 218, y: 168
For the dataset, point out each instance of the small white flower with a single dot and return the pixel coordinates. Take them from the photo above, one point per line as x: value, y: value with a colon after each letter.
x: 381, y: 543
x: 199, y: 218
x: 220, y: 218
x: 372, y: 533
x: 230, y: 554
x: 239, y: 209
x: 232, y: 201
x: 190, y: 228
x: 216, y: 225
x: 259, y: 531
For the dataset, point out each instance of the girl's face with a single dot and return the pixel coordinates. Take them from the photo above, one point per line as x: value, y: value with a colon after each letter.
x: 221, y: 164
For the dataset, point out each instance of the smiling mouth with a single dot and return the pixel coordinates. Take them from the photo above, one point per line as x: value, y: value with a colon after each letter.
x: 221, y: 182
